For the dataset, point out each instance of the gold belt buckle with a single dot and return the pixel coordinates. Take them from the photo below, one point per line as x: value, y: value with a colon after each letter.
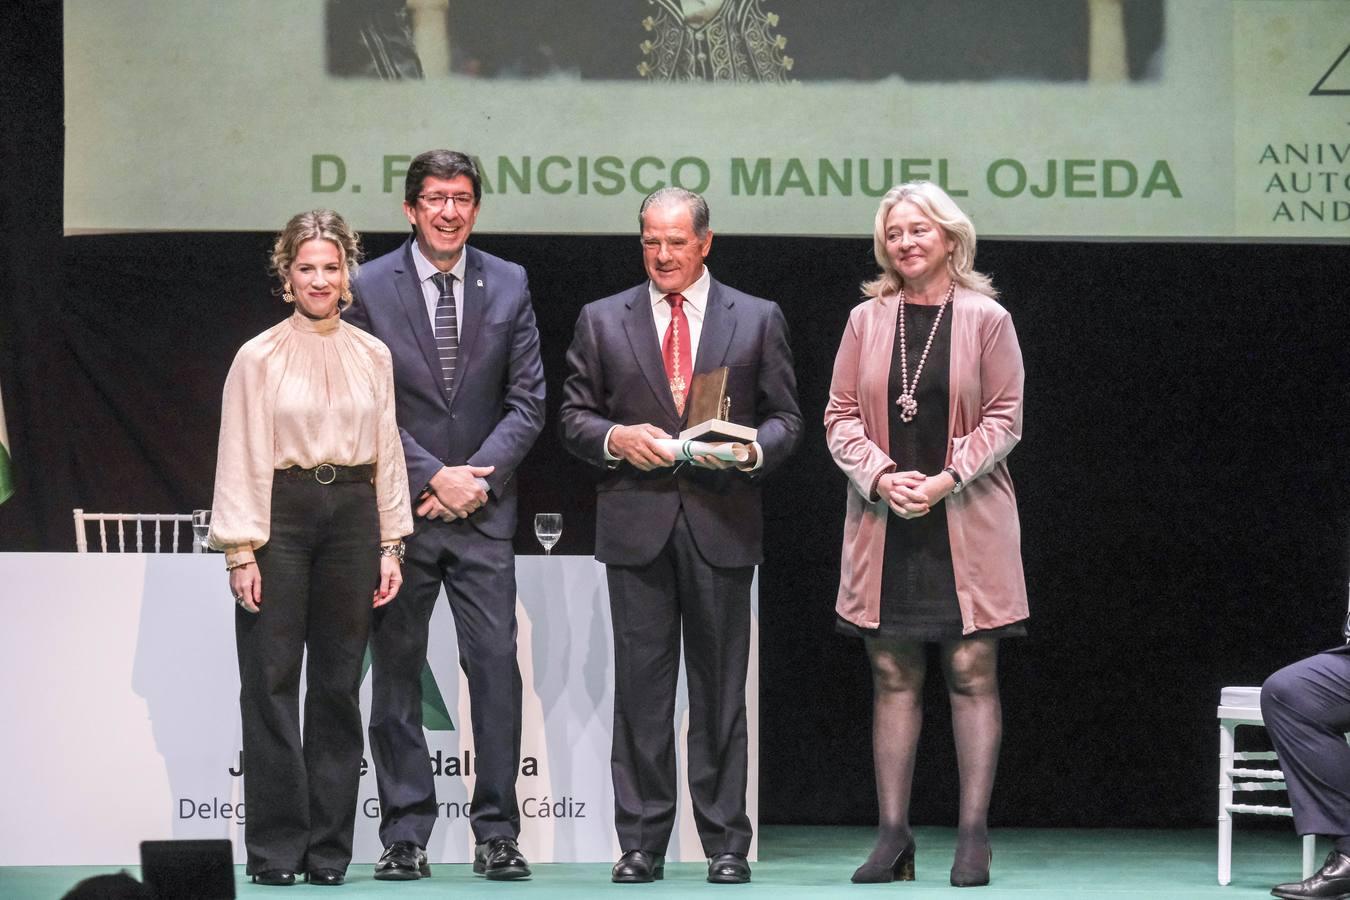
x: 318, y: 473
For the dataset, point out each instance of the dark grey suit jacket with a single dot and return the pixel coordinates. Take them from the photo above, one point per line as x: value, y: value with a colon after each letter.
x: 616, y: 377
x: 495, y: 410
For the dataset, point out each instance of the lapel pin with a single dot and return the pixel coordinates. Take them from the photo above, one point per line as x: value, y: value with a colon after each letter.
x: 480, y: 282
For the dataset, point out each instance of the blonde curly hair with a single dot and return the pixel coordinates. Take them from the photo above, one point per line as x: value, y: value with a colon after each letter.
x: 317, y: 224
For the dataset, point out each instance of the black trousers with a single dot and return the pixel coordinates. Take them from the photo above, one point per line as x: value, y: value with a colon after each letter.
x: 479, y: 574
x: 1306, y: 708
x: 651, y: 606
x: 319, y: 569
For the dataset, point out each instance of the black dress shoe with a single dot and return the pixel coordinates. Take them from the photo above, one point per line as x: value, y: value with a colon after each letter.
x: 902, y: 869
x: 728, y: 868
x: 332, y: 877
x: 402, y: 861
x: 638, y: 867
x: 274, y: 877
x: 499, y: 859
x: 1332, y: 880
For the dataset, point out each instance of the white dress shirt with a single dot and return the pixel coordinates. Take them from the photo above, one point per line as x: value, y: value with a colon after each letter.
x: 431, y: 295
x: 695, y: 303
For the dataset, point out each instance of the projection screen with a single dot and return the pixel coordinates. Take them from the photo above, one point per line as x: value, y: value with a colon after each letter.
x: 1070, y: 119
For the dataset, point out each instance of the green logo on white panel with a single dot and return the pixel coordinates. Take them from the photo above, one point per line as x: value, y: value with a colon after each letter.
x: 435, y: 714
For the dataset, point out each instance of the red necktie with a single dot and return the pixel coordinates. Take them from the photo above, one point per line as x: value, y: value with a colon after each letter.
x: 675, y: 350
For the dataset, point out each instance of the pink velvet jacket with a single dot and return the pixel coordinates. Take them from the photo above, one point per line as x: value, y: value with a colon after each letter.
x: 984, y: 423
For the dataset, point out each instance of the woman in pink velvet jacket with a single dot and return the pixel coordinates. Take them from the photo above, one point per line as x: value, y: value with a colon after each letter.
x: 925, y: 405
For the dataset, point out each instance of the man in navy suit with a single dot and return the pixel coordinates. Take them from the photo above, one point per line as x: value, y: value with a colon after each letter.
x: 680, y: 543
x: 1306, y: 708
x: 469, y: 389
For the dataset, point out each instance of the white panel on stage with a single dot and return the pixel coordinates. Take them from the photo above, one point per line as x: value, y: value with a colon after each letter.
x: 122, y: 720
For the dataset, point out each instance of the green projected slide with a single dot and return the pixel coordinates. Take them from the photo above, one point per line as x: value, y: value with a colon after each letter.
x: 1092, y: 119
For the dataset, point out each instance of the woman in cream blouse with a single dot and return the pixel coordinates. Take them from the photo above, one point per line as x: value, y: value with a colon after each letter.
x: 925, y: 405
x: 311, y: 505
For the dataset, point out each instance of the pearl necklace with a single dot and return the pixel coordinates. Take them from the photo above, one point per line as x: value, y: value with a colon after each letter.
x: 909, y: 407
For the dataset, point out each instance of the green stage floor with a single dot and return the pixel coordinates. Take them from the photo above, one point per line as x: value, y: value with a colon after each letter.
x: 816, y: 862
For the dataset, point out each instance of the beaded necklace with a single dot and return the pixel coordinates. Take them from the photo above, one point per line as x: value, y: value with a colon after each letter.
x: 909, y: 407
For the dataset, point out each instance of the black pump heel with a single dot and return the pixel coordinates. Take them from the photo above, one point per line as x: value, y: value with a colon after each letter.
x: 900, y: 870
x: 974, y: 876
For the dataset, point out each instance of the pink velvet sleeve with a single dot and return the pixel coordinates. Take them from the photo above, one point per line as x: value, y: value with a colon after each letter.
x: 856, y: 454
x: 1000, y: 423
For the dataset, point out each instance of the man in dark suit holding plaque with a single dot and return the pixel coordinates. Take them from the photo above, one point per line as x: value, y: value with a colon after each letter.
x: 680, y: 542
x: 469, y: 394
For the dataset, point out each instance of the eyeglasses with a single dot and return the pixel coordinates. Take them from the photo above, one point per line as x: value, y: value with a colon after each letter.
x: 434, y: 202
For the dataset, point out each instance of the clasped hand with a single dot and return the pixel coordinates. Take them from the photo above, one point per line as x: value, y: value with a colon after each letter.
x: 913, y: 494
x: 454, y: 493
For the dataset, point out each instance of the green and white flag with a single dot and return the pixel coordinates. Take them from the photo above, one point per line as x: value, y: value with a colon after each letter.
x: 6, y: 467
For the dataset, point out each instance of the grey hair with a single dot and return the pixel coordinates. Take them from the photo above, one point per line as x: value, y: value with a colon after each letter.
x: 937, y: 205
x: 698, y: 207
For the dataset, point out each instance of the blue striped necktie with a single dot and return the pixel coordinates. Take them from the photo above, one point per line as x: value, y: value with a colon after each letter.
x: 447, y: 328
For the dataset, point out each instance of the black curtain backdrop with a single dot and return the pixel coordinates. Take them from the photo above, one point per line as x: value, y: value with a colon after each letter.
x: 1182, y: 480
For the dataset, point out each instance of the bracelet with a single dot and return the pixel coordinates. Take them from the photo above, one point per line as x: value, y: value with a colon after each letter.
x: 397, y: 551
x: 230, y: 567
x: 875, y: 483
x: 960, y: 485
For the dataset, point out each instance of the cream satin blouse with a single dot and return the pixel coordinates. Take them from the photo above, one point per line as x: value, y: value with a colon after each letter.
x: 302, y: 393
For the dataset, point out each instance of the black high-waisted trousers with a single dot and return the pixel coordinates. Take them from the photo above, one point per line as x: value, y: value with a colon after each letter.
x: 319, y: 569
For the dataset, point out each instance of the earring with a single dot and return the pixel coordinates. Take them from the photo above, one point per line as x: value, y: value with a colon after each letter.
x: 286, y: 293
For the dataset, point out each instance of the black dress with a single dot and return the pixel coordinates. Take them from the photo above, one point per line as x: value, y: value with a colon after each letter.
x: 918, y: 583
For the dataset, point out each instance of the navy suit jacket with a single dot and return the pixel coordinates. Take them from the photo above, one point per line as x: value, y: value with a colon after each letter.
x: 616, y: 377
x: 495, y: 410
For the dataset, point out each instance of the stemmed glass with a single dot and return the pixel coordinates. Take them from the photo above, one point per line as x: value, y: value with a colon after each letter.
x: 201, y: 529
x: 548, y: 528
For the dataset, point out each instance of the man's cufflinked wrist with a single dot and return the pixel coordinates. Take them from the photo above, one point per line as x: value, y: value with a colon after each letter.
x: 759, y: 459
x: 611, y: 461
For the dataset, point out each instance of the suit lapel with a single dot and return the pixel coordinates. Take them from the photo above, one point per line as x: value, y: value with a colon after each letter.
x: 471, y: 319
x: 718, y: 327
x: 414, y: 306
x: 646, y: 346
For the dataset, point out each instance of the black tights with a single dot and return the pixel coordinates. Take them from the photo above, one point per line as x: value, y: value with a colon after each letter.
x: 970, y: 668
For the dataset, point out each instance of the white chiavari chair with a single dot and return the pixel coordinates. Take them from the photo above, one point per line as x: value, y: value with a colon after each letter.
x: 134, y: 532
x: 1238, y: 707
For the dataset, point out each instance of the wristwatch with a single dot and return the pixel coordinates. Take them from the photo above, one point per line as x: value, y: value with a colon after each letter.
x: 960, y: 485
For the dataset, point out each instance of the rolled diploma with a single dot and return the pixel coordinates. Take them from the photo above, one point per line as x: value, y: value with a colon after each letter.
x: 683, y: 450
